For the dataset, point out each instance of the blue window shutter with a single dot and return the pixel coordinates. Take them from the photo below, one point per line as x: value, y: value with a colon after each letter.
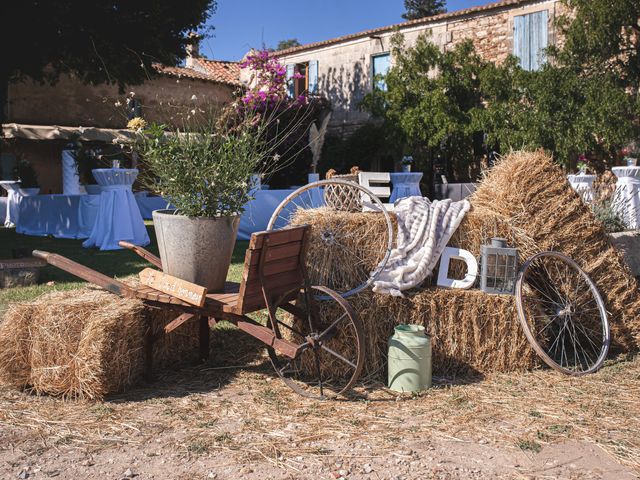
x: 530, y: 39
x: 520, y: 43
x: 290, y: 85
x: 313, y: 76
x: 539, y: 39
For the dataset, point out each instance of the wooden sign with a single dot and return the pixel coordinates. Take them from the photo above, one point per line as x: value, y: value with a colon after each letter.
x: 186, y: 291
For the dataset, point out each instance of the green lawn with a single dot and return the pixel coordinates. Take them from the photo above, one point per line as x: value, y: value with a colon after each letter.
x: 116, y: 263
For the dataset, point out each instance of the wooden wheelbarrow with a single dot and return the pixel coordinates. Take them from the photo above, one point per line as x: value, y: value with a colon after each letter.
x: 317, y: 348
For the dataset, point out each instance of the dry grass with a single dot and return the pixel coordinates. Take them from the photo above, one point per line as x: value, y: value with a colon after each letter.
x: 85, y: 343
x: 255, y: 418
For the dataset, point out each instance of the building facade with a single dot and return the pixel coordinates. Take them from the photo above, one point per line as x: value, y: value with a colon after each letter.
x: 98, y: 112
x: 345, y: 69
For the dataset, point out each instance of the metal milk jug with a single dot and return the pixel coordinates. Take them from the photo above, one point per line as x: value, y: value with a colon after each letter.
x: 409, y: 359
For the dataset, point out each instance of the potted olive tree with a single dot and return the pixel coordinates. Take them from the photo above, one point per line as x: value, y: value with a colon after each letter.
x: 205, y: 174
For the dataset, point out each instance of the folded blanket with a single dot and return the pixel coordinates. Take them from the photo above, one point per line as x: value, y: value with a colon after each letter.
x: 424, y: 229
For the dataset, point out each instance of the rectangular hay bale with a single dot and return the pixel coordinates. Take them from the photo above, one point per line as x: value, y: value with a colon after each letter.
x: 85, y: 343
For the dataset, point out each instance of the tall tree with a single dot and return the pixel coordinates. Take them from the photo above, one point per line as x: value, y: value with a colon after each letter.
x: 289, y: 43
x: 602, y: 37
x: 100, y: 41
x: 423, y: 8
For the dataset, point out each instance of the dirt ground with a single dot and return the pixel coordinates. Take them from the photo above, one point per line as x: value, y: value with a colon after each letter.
x: 233, y: 419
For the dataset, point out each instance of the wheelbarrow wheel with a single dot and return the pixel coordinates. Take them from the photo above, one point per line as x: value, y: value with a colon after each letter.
x: 332, y: 336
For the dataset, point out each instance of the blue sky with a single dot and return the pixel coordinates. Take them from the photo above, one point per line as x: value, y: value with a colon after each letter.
x: 244, y: 24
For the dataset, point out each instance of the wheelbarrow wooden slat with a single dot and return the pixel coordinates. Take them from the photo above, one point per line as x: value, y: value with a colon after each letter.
x: 277, y: 237
x: 272, y: 268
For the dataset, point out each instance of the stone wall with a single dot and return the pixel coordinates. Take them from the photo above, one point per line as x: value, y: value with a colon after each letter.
x: 71, y: 103
x: 344, y: 69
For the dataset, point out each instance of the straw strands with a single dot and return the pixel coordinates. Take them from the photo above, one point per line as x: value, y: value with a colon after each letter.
x: 85, y: 343
x: 526, y: 199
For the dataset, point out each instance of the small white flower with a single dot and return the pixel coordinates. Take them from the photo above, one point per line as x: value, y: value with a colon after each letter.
x: 118, y: 104
x: 193, y: 112
x: 194, y: 98
x: 133, y: 94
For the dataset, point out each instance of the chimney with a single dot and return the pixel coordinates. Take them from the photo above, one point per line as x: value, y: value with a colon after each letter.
x: 192, y: 49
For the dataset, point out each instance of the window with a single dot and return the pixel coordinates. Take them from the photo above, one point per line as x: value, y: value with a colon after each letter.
x: 530, y: 39
x: 380, y: 65
x: 302, y: 78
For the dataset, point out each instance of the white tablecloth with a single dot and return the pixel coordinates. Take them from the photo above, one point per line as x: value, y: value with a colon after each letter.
x: 583, y: 184
x: 11, y: 213
x: 627, y: 196
x: 147, y: 204
x: 258, y: 211
x: 56, y: 215
x: 118, y: 213
x: 405, y: 184
x: 73, y: 216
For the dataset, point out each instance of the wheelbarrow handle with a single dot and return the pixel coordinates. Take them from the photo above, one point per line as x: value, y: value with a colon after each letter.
x: 146, y: 254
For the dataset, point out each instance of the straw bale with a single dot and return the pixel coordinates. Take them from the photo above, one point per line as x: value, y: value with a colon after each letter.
x: 471, y: 332
x: 85, y: 343
x: 527, y: 199
x: 524, y: 198
x: 364, y: 235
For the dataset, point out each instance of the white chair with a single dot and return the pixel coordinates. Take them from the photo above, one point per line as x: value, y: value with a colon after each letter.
x: 381, y: 189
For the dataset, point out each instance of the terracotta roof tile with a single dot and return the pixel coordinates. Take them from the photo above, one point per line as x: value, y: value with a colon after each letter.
x: 207, y: 70
x: 223, y: 71
x: 410, y: 23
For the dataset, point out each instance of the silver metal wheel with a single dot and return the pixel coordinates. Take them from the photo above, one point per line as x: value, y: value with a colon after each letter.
x: 334, y: 240
x: 562, y: 314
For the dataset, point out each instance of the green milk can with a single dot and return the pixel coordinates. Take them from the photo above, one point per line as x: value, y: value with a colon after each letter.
x: 409, y: 359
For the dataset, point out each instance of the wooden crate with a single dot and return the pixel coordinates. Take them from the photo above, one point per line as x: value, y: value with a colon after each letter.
x: 20, y: 272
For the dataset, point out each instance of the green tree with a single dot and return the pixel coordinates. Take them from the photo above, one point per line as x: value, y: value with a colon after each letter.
x: 432, y: 100
x: 557, y: 108
x: 289, y: 43
x: 602, y: 37
x: 100, y: 41
x: 423, y: 8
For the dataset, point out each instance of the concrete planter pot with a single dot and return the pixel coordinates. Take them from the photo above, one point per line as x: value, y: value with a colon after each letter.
x: 196, y: 249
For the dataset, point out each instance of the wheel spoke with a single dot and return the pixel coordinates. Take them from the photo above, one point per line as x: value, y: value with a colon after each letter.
x: 559, y: 308
x: 337, y: 355
x: 328, y: 329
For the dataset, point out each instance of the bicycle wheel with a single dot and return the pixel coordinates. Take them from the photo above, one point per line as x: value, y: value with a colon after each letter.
x: 562, y: 314
x: 354, y: 231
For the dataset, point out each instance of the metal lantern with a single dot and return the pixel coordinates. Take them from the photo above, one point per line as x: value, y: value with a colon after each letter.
x: 499, y: 267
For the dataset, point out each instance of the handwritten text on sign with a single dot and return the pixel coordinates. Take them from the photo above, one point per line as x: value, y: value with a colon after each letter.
x: 186, y: 291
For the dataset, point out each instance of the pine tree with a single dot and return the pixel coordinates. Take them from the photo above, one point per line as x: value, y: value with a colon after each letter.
x: 423, y: 8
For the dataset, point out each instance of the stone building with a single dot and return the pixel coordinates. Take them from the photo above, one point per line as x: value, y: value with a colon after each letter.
x: 343, y: 69
x: 42, y: 118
